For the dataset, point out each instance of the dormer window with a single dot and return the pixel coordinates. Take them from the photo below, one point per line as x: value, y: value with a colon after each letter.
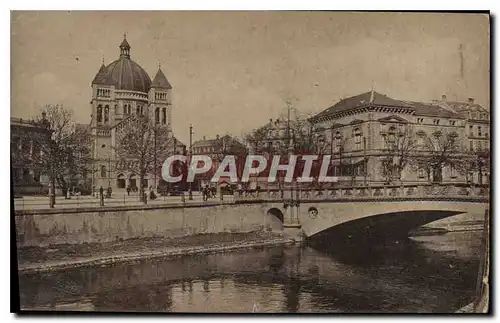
x: 420, y: 120
x: 436, y: 121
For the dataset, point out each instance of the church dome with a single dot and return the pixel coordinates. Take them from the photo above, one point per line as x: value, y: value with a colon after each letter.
x: 124, y: 73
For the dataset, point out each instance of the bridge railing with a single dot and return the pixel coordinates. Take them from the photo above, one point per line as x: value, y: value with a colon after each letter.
x: 410, y: 191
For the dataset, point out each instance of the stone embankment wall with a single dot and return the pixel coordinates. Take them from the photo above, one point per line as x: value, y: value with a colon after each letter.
x: 95, y: 225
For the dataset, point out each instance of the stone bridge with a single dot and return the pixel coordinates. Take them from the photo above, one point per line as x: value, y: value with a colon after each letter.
x: 367, y: 211
x: 315, y: 214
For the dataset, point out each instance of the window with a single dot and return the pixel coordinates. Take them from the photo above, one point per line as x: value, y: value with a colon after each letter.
x: 471, y: 131
x: 452, y: 172
x: 436, y: 121
x: 337, y: 141
x: 479, y: 145
x: 357, y: 139
x: 164, y: 116
x: 479, y: 131
x: 99, y: 113
x: 392, y: 135
x: 452, y: 122
x: 157, y: 115
x: 36, y: 176
x: 106, y: 114
x: 421, y: 172
x: 142, y: 109
x: 471, y: 145
x: 137, y: 110
x: 420, y: 120
x: 471, y: 177
x: 103, y: 171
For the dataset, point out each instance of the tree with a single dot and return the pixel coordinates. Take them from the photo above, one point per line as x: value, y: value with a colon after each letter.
x: 400, y: 145
x: 476, y: 161
x: 440, y: 150
x: 139, y: 144
x: 66, y: 154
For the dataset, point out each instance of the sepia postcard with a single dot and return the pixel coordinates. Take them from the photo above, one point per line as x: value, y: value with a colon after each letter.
x: 250, y: 162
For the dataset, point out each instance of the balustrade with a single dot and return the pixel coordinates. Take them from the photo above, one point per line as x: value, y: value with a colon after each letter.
x: 413, y: 191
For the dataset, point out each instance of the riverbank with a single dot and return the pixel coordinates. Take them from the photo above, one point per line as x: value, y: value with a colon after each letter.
x: 57, y: 257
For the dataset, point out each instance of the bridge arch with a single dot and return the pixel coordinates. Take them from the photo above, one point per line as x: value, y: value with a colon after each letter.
x: 277, y: 213
x: 393, y: 217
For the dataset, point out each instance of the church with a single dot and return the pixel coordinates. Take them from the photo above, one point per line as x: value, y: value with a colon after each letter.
x: 119, y: 90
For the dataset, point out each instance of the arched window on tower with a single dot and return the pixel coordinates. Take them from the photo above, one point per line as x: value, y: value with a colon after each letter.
x: 157, y: 115
x: 137, y: 110
x: 106, y: 114
x: 99, y: 113
x: 103, y: 171
x: 164, y: 116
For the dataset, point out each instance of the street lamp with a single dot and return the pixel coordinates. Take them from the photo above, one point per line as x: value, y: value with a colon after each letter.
x: 190, y: 156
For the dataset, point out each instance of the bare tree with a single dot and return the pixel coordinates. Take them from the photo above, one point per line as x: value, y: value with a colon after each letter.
x: 476, y: 161
x: 440, y: 150
x: 400, y: 145
x: 139, y: 144
x: 66, y: 154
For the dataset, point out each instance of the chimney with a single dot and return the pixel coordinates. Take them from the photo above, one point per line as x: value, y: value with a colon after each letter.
x: 204, y: 138
x: 471, y: 100
x: 443, y: 97
x: 217, y: 137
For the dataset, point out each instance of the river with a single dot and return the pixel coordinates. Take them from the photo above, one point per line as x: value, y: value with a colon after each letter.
x: 425, y: 274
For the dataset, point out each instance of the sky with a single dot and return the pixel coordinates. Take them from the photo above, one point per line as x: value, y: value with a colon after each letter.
x: 233, y: 71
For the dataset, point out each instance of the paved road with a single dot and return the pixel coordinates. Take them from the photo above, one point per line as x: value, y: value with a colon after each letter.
x: 42, y: 202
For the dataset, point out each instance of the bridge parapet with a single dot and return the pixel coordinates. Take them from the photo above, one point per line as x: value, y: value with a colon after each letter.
x: 405, y: 191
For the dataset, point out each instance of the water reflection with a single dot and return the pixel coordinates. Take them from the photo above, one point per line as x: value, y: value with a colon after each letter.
x: 431, y: 274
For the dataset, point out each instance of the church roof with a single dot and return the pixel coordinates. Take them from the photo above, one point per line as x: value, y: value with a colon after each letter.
x: 100, y: 75
x: 160, y: 81
x: 125, y: 43
x: 124, y: 73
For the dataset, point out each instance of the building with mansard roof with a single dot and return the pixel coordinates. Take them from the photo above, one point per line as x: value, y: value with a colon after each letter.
x: 120, y: 90
x: 358, y: 129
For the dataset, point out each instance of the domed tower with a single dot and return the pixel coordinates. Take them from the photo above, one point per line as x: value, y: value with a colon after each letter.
x: 119, y: 90
x: 160, y: 98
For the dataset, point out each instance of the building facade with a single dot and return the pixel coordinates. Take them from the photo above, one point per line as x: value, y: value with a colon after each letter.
x: 120, y: 90
x: 358, y: 132
x: 216, y: 149
x: 26, y: 154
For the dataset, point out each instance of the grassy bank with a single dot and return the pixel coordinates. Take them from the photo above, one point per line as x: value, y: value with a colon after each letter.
x: 35, y: 259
